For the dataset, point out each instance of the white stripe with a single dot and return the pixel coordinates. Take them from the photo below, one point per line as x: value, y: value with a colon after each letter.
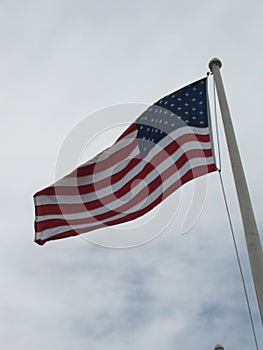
x: 191, y: 164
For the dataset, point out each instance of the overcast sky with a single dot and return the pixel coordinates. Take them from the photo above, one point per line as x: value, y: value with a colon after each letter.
x: 60, y: 62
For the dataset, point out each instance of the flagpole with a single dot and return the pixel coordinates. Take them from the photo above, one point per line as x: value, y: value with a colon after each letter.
x: 249, y: 223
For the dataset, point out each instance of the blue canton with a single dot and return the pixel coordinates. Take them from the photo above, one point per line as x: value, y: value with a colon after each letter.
x: 185, y: 107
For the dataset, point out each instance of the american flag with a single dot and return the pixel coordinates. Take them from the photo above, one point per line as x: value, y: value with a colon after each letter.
x: 167, y: 145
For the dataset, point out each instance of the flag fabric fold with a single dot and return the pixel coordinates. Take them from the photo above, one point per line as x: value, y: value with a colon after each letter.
x: 168, y: 145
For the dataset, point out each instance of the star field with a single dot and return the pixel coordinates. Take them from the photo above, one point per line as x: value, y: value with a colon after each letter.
x: 187, y: 106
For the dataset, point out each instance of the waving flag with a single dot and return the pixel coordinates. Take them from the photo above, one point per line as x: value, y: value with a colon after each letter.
x: 167, y: 145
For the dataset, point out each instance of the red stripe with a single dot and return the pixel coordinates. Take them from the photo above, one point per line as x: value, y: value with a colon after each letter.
x: 196, y: 172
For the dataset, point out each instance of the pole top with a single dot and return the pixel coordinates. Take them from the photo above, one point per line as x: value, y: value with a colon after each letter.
x: 215, y: 61
x: 219, y: 347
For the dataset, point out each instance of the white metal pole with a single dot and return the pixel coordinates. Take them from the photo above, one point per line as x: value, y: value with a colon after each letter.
x: 250, y: 228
